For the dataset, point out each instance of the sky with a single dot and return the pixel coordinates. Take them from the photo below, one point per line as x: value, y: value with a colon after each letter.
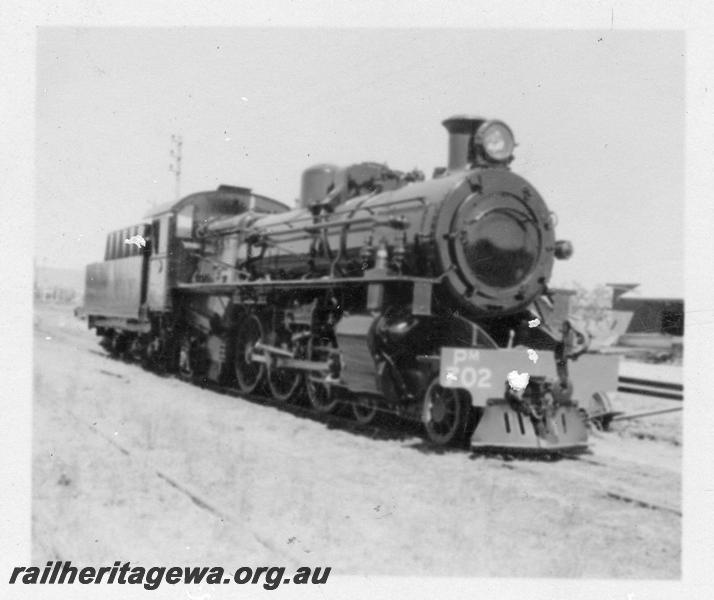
x: 598, y: 116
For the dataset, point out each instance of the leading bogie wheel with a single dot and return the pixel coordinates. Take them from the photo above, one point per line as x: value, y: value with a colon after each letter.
x: 321, y: 396
x: 445, y: 414
x: 249, y: 373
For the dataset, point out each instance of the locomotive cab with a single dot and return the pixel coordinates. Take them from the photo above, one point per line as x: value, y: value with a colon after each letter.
x: 174, y: 227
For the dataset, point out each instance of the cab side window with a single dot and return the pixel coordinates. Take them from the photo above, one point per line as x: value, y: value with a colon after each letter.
x: 160, y: 234
x: 164, y: 241
x: 155, y: 236
x: 184, y: 222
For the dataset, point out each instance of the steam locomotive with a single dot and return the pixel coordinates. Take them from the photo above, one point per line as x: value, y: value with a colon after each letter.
x: 382, y: 292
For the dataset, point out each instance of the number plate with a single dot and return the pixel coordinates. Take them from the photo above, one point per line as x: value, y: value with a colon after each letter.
x: 483, y: 373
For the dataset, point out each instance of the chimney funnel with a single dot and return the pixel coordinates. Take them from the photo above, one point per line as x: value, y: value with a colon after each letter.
x: 462, y: 129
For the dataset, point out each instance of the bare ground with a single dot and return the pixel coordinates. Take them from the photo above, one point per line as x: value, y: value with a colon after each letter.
x: 128, y: 465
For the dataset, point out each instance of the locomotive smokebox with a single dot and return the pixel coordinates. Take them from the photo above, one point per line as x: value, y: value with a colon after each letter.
x: 462, y: 130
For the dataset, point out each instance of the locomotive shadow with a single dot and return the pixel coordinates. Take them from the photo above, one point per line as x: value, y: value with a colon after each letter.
x: 391, y: 429
x: 507, y: 456
x: 504, y: 456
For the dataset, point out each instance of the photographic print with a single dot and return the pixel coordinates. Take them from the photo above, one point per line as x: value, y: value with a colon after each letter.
x: 321, y: 302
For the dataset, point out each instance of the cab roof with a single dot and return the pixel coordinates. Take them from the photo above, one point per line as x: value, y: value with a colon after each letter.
x: 228, y: 191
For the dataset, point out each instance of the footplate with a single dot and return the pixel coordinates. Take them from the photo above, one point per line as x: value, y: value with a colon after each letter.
x: 502, y: 427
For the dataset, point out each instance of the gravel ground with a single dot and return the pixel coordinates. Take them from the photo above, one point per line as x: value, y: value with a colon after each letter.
x: 130, y: 465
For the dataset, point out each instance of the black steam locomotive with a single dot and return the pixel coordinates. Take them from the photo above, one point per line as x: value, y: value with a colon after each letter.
x: 382, y: 291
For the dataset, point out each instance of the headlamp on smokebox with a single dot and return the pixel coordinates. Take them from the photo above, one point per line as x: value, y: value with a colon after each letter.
x: 497, y: 141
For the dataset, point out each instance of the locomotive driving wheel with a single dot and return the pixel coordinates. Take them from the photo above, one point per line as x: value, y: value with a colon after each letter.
x: 283, y: 383
x: 320, y: 395
x: 248, y: 372
x: 445, y: 414
x: 364, y: 409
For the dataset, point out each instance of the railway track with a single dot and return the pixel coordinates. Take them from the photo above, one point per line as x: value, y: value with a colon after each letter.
x: 583, y: 467
x: 208, y: 505
x: 615, y: 471
x: 644, y: 388
x: 520, y: 460
x: 305, y: 483
x: 574, y: 465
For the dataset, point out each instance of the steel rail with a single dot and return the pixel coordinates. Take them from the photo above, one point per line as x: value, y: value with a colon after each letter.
x: 186, y: 489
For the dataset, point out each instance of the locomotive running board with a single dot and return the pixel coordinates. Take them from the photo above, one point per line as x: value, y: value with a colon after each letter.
x: 327, y: 282
x: 501, y: 427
